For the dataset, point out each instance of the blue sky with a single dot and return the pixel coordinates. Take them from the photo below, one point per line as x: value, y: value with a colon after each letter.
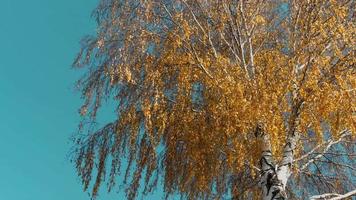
x: 38, y: 105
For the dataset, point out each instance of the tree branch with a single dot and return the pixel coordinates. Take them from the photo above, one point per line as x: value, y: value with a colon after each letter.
x: 334, y: 196
x: 328, y: 146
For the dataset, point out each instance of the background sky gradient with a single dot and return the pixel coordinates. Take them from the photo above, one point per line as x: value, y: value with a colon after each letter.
x: 38, y: 104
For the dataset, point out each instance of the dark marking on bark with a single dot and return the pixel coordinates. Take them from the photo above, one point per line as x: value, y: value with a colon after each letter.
x: 268, y: 151
x: 269, y: 183
x: 280, y: 198
x: 259, y: 131
x: 274, y: 193
x: 265, y: 161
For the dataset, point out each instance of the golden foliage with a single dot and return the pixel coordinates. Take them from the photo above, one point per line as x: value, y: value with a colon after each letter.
x: 195, y: 77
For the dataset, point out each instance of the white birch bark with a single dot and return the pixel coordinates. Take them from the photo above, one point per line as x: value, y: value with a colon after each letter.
x: 274, y: 177
x: 334, y: 196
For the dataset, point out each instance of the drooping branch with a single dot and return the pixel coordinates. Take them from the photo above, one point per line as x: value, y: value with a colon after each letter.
x: 160, y: 59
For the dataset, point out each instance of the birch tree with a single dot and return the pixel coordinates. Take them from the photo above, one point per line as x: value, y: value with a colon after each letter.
x: 221, y: 99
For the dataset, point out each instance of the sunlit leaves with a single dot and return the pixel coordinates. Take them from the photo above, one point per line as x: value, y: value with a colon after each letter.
x: 258, y: 62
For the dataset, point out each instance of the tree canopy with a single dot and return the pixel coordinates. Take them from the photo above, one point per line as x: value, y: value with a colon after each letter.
x: 193, y: 81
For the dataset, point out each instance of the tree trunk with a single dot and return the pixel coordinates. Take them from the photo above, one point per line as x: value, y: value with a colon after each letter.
x: 273, y: 183
x: 274, y: 177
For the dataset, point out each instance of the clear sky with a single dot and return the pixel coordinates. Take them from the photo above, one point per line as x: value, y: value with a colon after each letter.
x: 38, y: 105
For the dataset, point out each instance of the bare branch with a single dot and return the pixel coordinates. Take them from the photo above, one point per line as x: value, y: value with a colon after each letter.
x: 334, y: 196
x: 327, y: 147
